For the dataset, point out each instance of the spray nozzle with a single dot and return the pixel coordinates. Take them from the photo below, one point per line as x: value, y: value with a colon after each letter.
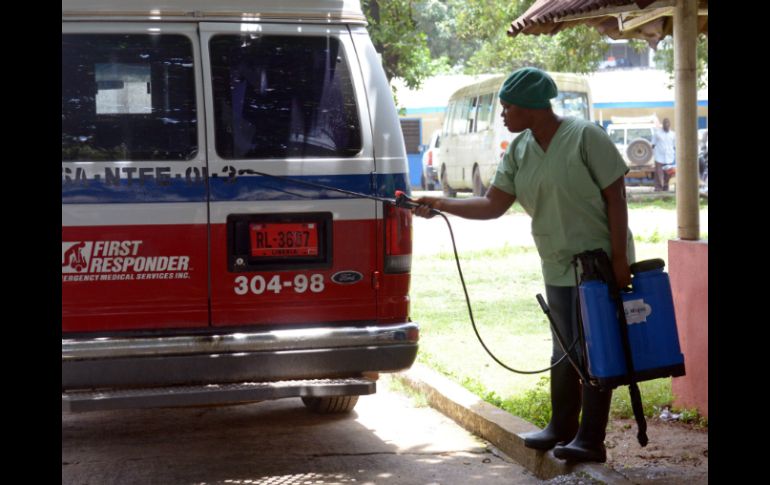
x: 404, y: 201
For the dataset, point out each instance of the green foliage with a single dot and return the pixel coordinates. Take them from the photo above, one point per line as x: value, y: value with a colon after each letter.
x: 395, y: 35
x: 577, y: 49
x: 693, y: 417
x: 438, y: 19
x: 656, y: 394
x: 533, y: 406
x: 664, y: 57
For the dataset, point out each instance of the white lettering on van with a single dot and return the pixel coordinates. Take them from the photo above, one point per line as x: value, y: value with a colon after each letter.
x: 119, y: 260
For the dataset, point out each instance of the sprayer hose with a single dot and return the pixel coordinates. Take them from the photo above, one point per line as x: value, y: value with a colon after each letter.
x: 473, y: 321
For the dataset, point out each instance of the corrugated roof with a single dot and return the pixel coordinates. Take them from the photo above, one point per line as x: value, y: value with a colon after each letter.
x: 607, y: 16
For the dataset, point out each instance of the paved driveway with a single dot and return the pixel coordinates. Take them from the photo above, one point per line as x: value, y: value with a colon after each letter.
x: 386, y: 440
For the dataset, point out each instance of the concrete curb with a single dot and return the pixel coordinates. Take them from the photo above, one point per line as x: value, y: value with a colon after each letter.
x: 496, y: 426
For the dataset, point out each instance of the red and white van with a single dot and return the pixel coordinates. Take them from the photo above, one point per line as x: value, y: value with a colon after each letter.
x: 187, y: 278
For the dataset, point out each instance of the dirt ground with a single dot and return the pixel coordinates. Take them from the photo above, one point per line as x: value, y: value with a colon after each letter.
x: 677, y: 453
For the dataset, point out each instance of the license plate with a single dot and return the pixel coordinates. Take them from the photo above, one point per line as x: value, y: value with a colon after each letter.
x: 284, y: 239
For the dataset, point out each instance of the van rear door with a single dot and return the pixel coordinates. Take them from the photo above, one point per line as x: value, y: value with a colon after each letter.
x: 134, y: 223
x: 288, y: 100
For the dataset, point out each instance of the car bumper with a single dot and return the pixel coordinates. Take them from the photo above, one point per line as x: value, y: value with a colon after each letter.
x: 431, y: 174
x: 257, y: 356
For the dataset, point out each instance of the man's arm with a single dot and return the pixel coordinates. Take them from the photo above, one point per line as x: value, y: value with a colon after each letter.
x: 491, y: 206
x: 617, y: 217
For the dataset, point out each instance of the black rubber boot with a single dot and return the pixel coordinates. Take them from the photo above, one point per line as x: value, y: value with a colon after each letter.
x: 588, y: 445
x: 565, y: 410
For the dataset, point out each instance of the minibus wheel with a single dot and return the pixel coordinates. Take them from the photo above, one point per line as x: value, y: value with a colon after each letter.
x: 478, y: 186
x: 448, y: 191
x: 330, y: 404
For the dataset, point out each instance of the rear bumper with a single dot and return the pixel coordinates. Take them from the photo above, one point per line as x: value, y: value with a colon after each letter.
x: 259, y: 356
x: 431, y: 174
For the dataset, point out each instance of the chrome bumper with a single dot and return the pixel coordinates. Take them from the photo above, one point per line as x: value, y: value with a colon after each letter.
x: 293, y: 339
x: 309, y: 353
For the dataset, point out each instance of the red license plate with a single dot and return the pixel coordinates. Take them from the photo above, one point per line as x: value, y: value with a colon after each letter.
x: 284, y: 239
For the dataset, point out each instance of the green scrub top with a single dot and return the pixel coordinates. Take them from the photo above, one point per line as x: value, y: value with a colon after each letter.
x: 561, y: 190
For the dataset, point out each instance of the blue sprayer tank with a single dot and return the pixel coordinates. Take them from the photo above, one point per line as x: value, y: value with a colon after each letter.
x: 652, y: 333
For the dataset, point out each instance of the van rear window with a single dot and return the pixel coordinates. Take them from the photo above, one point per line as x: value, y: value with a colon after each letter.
x: 283, y: 96
x: 128, y: 97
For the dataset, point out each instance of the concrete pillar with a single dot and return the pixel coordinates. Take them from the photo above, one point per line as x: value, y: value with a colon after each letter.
x: 689, y: 273
x: 686, y: 110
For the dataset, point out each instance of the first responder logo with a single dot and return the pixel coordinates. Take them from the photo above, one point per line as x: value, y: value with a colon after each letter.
x: 119, y: 261
x: 75, y: 256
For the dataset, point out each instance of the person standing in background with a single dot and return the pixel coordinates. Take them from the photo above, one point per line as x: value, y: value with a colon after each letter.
x: 663, y: 143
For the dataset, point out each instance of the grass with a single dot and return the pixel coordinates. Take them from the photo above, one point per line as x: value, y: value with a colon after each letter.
x: 502, y: 283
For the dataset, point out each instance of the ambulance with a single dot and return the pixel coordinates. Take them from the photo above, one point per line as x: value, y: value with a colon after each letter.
x: 187, y: 277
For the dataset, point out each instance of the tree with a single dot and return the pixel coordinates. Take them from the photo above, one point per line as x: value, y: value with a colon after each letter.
x: 664, y: 57
x: 578, y: 49
x: 394, y: 32
x: 438, y: 19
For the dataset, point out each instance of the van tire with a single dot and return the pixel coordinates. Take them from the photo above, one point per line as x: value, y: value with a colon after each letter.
x: 330, y: 404
x: 445, y: 187
x: 478, y: 186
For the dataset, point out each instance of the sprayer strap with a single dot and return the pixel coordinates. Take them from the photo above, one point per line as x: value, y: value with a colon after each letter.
x: 633, y: 388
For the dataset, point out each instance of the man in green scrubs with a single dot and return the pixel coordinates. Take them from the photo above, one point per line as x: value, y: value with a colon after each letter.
x: 569, y: 177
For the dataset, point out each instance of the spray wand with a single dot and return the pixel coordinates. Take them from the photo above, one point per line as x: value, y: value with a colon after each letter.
x: 403, y: 201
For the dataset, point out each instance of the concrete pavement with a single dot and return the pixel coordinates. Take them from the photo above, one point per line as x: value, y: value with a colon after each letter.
x: 498, y: 427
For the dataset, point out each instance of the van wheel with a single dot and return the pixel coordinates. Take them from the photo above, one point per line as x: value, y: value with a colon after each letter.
x: 448, y: 191
x: 330, y: 404
x: 478, y: 186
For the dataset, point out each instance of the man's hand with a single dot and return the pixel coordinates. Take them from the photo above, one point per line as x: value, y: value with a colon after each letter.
x: 426, y: 204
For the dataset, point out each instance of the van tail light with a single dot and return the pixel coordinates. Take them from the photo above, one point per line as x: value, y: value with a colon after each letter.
x: 398, y: 240
x: 430, y: 158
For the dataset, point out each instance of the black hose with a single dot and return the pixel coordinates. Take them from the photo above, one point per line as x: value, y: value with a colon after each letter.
x: 473, y: 321
x: 403, y: 201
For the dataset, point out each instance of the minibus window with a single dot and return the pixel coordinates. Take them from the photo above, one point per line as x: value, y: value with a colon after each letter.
x: 485, y: 107
x: 128, y: 97
x: 460, y: 116
x: 571, y: 103
x: 283, y: 96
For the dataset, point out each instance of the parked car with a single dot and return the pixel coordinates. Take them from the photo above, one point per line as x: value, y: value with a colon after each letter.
x: 430, y: 160
x: 633, y: 139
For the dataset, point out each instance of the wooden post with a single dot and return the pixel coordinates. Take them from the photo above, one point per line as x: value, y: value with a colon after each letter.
x: 685, y: 91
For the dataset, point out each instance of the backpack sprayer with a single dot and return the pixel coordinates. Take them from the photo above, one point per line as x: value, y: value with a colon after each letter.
x: 621, y: 347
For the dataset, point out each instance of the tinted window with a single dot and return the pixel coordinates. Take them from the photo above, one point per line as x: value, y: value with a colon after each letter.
x: 128, y: 97
x: 283, y: 96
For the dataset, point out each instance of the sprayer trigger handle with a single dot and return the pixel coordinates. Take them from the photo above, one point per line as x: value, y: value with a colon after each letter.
x: 403, y: 200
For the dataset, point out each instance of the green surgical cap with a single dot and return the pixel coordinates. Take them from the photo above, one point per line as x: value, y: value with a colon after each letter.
x: 529, y: 87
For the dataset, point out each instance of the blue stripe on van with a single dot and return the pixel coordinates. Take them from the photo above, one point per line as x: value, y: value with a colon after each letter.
x: 243, y: 188
x: 265, y: 188
x: 643, y: 104
x: 96, y: 191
